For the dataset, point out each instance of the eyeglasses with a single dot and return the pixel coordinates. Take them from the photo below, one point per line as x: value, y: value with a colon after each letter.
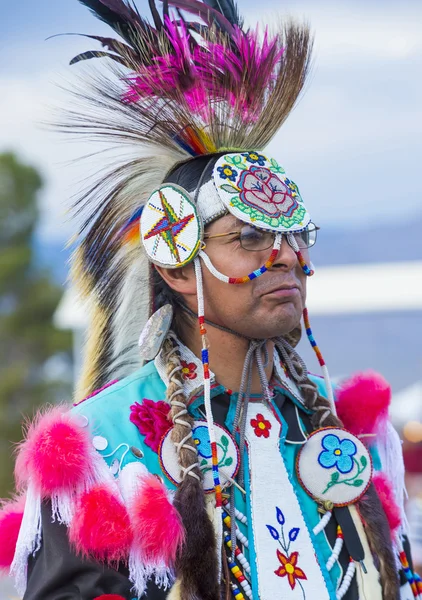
x: 255, y: 240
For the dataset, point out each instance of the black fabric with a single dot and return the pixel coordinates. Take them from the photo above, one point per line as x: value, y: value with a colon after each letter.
x: 58, y: 573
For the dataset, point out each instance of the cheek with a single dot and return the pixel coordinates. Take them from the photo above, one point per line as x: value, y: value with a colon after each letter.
x: 236, y: 262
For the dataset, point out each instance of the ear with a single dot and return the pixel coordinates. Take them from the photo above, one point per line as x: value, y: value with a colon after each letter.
x: 182, y: 280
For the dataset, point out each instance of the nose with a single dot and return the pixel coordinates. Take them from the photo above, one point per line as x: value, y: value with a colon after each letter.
x: 286, y: 258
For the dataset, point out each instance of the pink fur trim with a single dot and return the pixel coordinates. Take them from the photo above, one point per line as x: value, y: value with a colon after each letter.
x: 157, y: 525
x: 363, y: 401
x: 101, y: 527
x: 11, y: 515
x: 385, y: 492
x: 56, y: 453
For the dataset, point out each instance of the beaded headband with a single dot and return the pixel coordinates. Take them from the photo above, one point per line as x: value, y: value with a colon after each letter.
x: 252, y: 187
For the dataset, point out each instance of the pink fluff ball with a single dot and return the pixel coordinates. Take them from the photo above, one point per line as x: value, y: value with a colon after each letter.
x: 363, y: 401
x: 157, y: 523
x: 101, y: 527
x: 11, y: 515
x: 56, y: 453
x: 385, y: 492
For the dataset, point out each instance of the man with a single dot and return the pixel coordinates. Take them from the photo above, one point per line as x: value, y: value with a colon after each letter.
x: 219, y: 468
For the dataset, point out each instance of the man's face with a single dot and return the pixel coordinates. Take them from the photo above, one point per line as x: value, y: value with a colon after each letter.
x: 270, y: 305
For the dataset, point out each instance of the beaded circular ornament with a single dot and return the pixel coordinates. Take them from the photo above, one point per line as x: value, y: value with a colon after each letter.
x: 256, y: 190
x: 227, y: 452
x: 334, y: 466
x: 171, y: 229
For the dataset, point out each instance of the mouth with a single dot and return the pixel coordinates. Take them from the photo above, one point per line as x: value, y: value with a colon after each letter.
x: 284, y: 291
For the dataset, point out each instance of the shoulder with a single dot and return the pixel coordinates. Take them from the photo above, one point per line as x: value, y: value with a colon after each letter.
x: 144, y: 383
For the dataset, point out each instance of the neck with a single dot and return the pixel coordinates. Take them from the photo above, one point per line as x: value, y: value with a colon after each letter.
x: 227, y: 354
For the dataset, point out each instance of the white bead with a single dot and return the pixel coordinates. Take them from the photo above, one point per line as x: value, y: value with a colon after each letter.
x: 81, y: 420
x: 347, y: 580
x: 335, y: 554
x: 242, y: 539
x: 239, y: 516
x: 99, y: 442
x: 323, y: 523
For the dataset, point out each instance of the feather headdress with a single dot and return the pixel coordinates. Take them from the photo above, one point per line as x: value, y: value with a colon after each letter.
x: 192, y: 82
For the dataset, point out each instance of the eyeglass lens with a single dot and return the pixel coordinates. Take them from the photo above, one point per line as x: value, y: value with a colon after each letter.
x: 255, y: 239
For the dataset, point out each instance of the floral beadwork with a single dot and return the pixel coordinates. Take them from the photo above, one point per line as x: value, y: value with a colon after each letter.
x: 254, y: 158
x: 227, y: 172
x: 255, y: 189
x: 189, y: 369
x: 227, y: 455
x: 337, y: 453
x: 334, y: 465
x: 265, y: 192
x: 151, y: 418
x: 288, y: 560
x: 202, y: 441
x: 261, y: 426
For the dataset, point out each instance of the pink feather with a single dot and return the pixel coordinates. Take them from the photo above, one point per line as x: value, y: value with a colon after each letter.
x: 56, y: 453
x: 101, y: 528
x: 385, y: 492
x: 363, y: 401
x: 156, y: 523
x: 11, y: 515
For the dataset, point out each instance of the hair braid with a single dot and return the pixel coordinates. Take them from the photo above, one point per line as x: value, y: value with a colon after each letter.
x: 369, y: 506
x: 196, y: 564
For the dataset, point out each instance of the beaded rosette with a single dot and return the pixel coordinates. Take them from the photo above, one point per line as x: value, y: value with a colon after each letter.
x: 227, y: 453
x: 171, y: 228
x: 256, y: 190
x: 334, y: 466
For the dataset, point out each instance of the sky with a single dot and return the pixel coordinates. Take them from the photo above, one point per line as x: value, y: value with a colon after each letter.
x: 353, y: 144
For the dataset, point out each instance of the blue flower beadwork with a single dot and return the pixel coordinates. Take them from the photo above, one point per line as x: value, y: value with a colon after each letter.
x: 201, y: 439
x: 255, y: 158
x: 227, y: 172
x: 337, y: 453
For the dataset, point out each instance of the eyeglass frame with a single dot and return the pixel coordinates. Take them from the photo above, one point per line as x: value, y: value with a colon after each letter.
x: 208, y: 236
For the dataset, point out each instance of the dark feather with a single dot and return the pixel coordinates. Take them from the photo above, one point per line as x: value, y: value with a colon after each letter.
x: 208, y: 14
x: 117, y: 15
x: 228, y: 9
x: 97, y: 54
x: 123, y: 50
x: 165, y: 8
x: 155, y: 15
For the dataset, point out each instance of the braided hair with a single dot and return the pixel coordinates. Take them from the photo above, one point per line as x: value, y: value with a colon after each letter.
x: 197, y: 565
x: 369, y: 506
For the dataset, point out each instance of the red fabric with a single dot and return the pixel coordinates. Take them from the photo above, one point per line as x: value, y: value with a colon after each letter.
x: 101, y: 527
x: 362, y: 402
x: 151, y: 418
x: 56, y: 453
x: 10, y: 522
x: 156, y: 522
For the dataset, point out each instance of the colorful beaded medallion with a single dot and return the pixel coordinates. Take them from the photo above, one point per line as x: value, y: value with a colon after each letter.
x: 171, y: 228
x: 256, y: 190
x: 334, y: 466
x: 227, y: 453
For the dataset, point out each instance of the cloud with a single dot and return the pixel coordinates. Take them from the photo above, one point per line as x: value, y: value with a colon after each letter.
x: 352, y: 143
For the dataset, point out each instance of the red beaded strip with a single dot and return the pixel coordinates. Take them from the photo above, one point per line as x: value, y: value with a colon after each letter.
x: 311, y: 338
